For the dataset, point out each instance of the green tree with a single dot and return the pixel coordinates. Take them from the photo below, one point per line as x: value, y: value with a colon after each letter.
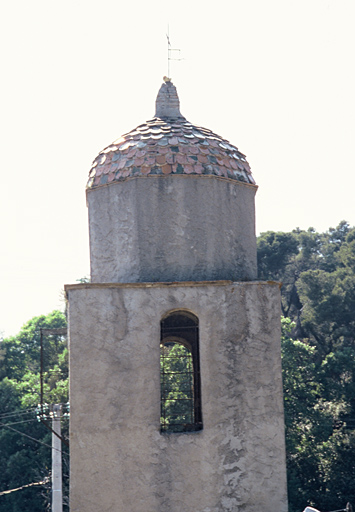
x: 22, y: 459
x: 177, y: 404
x: 329, y: 300
x: 21, y: 353
x: 25, y: 443
x: 287, y: 256
x: 318, y: 396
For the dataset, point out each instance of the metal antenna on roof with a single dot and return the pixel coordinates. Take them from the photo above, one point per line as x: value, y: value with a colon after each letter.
x: 170, y: 50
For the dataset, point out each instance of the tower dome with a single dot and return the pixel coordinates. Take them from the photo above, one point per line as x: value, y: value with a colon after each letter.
x: 168, y: 144
x: 171, y: 201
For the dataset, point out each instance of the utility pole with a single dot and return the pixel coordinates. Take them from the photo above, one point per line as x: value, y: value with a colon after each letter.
x: 57, y: 500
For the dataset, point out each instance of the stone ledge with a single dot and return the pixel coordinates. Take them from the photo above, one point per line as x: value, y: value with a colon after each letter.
x: 176, y: 284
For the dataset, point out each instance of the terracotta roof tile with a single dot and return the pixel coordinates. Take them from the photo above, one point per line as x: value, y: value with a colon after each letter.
x: 165, y: 145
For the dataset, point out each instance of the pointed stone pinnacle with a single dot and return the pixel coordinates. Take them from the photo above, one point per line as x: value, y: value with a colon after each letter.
x: 167, y: 103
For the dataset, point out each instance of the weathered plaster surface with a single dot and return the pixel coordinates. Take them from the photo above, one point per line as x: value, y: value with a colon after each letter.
x: 120, y: 461
x: 172, y: 228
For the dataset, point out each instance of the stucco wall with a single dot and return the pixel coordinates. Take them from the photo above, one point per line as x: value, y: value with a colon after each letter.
x: 172, y: 228
x: 119, y: 460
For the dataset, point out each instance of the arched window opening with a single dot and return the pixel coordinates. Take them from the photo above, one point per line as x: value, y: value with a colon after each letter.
x: 180, y: 373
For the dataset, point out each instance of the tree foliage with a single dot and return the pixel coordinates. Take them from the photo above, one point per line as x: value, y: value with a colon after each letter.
x: 318, y: 349
x: 25, y: 443
x: 176, y: 376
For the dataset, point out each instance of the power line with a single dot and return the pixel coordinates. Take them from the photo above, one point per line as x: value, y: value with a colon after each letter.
x: 26, y: 435
x: 17, y: 417
x: 22, y: 421
x: 24, y: 411
x: 45, y: 481
x: 19, y: 412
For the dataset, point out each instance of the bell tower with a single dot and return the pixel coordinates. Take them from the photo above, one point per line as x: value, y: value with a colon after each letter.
x: 175, y: 368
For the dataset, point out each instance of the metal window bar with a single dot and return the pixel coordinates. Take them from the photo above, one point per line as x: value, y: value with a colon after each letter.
x: 182, y: 417
x: 184, y: 328
x: 181, y: 328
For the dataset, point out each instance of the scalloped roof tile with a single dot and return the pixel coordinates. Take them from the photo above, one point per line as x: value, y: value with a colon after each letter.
x: 168, y: 144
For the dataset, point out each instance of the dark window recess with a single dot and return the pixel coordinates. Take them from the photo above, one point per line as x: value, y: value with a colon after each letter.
x: 180, y: 373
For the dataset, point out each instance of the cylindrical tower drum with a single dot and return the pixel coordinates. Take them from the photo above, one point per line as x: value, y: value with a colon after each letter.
x: 170, y: 201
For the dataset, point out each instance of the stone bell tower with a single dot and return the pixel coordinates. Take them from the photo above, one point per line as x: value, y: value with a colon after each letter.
x: 175, y: 372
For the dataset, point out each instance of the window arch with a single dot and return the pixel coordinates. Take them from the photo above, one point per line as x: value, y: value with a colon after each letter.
x: 180, y: 373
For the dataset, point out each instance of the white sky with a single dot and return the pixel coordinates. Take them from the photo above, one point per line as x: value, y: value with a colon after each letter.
x: 274, y: 77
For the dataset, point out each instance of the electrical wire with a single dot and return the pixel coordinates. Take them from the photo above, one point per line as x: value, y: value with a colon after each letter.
x: 32, y: 438
x: 15, y: 413
x: 45, y: 481
x: 22, y: 421
x: 20, y: 412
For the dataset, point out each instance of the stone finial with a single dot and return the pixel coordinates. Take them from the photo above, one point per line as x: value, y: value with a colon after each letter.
x: 167, y: 103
